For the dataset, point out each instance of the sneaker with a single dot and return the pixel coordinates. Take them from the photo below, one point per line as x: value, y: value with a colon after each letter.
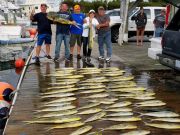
x: 89, y: 64
x: 108, y: 59
x: 78, y: 56
x: 56, y: 59
x: 48, y: 56
x: 37, y: 60
x: 84, y: 58
x: 67, y: 59
x: 71, y: 57
x: 101, y: 58
x: 88, y: 59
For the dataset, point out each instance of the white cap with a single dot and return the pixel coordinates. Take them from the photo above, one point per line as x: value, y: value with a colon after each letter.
x: 91, y: 11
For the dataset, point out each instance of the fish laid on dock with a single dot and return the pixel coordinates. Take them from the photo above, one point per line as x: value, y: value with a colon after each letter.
x: 89, y: 106
x: 120, y: 104
x: 120, y: 114
x: 123, y: 119
x: 161, y: 114
x: 90, y: 111
x: 123, y: 109
x: 137, y: 132
x: 164, y: 125
x: 82, y: 130
x: 121, y: 126
x: 96, y: 117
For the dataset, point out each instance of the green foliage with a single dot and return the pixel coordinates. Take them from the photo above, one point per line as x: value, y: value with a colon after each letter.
x: 86, y: 5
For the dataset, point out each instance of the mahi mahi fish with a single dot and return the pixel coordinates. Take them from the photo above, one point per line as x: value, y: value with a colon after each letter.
x: 120, y: 104
x: 123, y: 119
x: 60, y: 87
x: 167, y: 119
x: 58, y: 113
x: 82, y: 130
x: 122, y: 78
x: 137, y: 132
x: 164, y: 125
x: 120, y: 114
x: 123, y: 109
x: 96, y: 117
x: 66, y: 99
x: 99, y: 95
x: 59, y: 95
x: 161, y: 114
x: 128, y: 89
x: 89, y: 106
x: 121, y: 126
x: 90, y: 111
x: 53, y: 109
x: 60, y: 91
x: 92, y: 87
x: 92, y: 91
x: 67, y: 125
x: 54, y: 120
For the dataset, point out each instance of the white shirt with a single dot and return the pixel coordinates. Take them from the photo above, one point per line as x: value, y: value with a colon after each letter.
x: 86, y: 27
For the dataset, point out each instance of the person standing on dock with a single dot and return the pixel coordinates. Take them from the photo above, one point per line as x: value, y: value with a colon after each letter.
x: 104, y: 34
x: 89, y: 33
x: 44, y: 31
x: 76, y: 32
x: 63, y: 32
x: 159, y: 23
x: 141, y: 21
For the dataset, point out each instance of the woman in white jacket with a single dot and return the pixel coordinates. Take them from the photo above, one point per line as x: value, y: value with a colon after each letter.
x: 89, y: 32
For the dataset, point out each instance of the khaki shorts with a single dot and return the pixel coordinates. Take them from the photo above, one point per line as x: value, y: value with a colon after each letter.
x: 74, y: 38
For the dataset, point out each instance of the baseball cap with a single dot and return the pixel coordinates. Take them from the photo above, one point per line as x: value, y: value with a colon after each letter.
x: 91, y: 11
x: 100, y: 8
x: 77, y: 7
x: 43, y: 4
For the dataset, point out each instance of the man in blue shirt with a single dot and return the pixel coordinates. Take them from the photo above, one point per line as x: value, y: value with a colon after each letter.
x: 76, y: 32
x: 63, y: 32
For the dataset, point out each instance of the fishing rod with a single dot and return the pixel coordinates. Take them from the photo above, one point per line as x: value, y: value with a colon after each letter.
x: 14, y: 94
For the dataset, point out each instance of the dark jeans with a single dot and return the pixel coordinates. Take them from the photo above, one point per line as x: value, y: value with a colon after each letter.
x: 86, y: 50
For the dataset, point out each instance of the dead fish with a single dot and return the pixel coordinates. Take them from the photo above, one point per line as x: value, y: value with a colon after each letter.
x: 149, y: 102
x: 120, y: 114
x: 100, y: 95
x: 137, y: 132
x: 123, y: 119
x: 130, y: 95
x: 96, y: 117
x: 121, y: 127
x: 122, y: 86
x: 60, y: 87
x: 89, y: 106
x: 105, y: 101
x: 143, y: 97
x: 128, y: 89
x: 82, y: 130
x: 67, y: 80
x: 71, y: 77
x: 59, y: 95
x: 123, y: 109
x: 53, y: 109
x: 120, y: 104
x: 56, y: 104
x: 54, y: 120
x: 92, y: 91
x: 89, y: 84
x: 59, y: 75
x: 164, y: 125
x: 90, y: 72
x: 90, y: 111
x: 113, y: 74
x: 92, y: 87
x: 159, y: 103
x: 167, y: 119
x: 62, y: 83
x: 66, y: 99
x: 161, y: 114
x: 122, y: 78
x: 58, y: 113
x: 67, y: 125
x: 60, y: 91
